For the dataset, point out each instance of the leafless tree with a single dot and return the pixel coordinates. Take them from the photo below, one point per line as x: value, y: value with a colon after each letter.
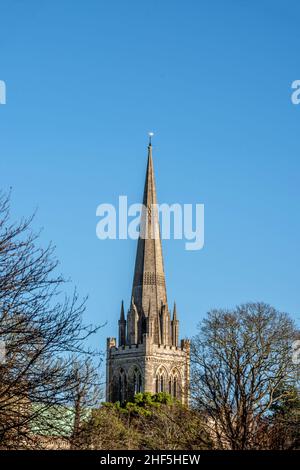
x: 41, y: 332
x: 240, y: 359
x: 86, y: 395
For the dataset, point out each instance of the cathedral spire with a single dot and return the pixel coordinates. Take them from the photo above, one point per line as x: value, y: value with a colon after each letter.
x: 175, y: 312
x: 148, y: 357
x: 149, y: 277
x: 175, y: 327
x: 122, y: 315
x: 122, y: 327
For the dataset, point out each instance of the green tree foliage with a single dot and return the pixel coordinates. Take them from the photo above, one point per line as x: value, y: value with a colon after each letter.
x: 284, y: 428
x: 150, y: 421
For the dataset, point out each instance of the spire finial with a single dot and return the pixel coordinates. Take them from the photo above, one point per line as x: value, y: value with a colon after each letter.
x: 150, y: 134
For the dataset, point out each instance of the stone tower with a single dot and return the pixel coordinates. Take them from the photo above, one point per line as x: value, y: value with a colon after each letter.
x: 148, y: 356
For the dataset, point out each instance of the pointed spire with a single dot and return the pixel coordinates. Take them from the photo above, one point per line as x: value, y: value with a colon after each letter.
x: 122, y: 314
x: 122, y: 327
x: 174, y: 312
x: 175, y: 327
x: 149, y: 277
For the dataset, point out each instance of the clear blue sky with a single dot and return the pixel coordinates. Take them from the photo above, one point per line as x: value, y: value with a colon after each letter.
x: 85, y: 82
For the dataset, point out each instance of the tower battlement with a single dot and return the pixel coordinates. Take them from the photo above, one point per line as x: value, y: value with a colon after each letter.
x: 113, y: 349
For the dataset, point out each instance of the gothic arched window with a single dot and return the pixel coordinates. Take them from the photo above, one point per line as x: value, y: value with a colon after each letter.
x: 160, y: 381
x: 174, y: 384
x: 137, y: 381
